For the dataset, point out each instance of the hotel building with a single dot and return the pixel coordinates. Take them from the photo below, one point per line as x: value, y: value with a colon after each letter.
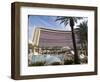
x: 43, y: 38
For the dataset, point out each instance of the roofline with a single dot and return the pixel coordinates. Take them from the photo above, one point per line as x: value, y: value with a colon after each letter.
x: 52, y: 30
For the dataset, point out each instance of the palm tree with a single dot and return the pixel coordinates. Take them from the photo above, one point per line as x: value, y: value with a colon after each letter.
x: 71, y: 20
x: 82, y: 34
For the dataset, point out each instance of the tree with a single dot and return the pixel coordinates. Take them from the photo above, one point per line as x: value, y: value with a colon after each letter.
x: 71, y: 21
x: 82, y: 34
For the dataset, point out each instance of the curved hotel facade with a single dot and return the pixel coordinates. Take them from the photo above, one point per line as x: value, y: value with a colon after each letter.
x: 50, y: 38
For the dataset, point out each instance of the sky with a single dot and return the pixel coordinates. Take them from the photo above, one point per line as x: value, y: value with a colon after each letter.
x: 45, y: 22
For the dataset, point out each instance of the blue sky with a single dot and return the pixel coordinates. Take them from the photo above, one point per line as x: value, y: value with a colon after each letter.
x: 45, y: 22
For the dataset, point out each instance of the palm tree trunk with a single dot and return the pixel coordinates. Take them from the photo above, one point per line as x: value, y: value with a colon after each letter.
x: 76, y: 59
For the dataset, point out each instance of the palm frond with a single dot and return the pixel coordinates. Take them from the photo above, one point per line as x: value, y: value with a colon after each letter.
x: 62, y: 21
x: 65, y: 23
x: 79, y: 18
x: 75, y: 19
x: 65, y: 20
x: 60, y: 18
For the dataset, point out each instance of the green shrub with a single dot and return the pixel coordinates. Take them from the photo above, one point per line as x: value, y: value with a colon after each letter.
x: 37, y: 64
x: 68, y: 62
x: 56, y: 63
